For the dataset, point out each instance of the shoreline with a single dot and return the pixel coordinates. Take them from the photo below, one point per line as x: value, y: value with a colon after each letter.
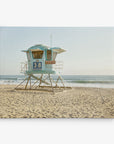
x: 76, y: 85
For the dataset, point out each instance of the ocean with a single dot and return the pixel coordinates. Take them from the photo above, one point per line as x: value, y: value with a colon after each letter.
x: 100, y: 81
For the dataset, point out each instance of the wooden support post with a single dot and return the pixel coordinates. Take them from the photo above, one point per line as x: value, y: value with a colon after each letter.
x: 30, y: 82
x: 40, y: 80
x: 34, y: 83
x: 43, y: 81
x: 27, y: 82
x: 21, y: 83
x: 51, y: 83
x: 57, y: 81
x: 62, y: 81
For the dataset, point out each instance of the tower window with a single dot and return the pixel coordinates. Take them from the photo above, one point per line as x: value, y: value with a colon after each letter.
x: 37, y: 54
x: 48, y: 54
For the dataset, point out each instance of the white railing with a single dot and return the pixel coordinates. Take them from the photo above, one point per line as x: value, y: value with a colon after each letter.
x: 24, y: 67
x: 58, y: 67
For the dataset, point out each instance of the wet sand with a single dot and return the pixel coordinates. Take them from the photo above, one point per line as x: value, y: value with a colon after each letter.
x: 72, y: 103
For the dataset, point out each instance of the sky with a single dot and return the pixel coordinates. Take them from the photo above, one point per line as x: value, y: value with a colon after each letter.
x: 89, y: 50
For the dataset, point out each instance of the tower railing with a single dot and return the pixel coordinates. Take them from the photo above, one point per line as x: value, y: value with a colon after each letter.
x: 24, y: 67
x: 58, y: 67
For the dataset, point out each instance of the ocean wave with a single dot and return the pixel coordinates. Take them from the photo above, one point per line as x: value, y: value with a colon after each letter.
x: 101, y: 82
x: 8, y: 78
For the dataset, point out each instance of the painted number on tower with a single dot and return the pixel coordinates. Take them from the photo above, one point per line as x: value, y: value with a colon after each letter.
x: 37, y: 65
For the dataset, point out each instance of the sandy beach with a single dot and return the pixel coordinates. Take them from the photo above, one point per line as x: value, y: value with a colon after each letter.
x: 72, y: 103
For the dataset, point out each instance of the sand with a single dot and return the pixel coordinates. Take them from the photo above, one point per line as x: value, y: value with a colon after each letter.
x: 72, y: 103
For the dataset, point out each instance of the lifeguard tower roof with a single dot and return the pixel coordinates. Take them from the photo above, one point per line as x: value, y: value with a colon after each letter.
x: 43, y: 47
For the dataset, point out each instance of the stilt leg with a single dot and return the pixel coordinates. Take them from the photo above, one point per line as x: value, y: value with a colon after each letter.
x: 21, y: 83
x: 40, y: 80
x: 30, y: 82
x: 62, y: 81
x: 51, y: 83
x: 34, y: 83
x: 27, y: 82
x: 43, y: 81
x: 57, y: 81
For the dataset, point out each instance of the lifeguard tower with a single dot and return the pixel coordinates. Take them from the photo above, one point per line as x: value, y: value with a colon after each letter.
x: 40, y: 61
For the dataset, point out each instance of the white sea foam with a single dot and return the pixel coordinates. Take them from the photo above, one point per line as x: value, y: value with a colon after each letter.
x: 70, y: 80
